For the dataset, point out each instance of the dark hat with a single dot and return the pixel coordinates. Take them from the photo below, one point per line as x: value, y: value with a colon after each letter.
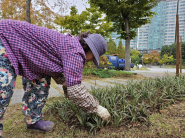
x: 97, y: 44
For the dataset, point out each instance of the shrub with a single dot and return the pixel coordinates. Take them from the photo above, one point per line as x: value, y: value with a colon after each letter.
x: 102, y: 73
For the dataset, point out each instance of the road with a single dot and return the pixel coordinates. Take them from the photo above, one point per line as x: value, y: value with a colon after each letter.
x: 156, y: 71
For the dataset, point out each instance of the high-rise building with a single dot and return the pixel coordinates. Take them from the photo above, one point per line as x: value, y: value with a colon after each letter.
x: 162, y: 29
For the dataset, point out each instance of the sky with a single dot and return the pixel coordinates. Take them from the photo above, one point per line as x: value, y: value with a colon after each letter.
x: 80, y: 4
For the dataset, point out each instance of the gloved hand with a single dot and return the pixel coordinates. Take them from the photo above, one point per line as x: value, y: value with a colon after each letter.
x: 103, y: 113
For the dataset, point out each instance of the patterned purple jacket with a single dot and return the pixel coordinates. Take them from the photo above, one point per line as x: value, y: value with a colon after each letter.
x: 37, y: 51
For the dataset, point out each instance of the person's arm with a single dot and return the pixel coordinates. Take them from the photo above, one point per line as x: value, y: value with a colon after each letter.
x: 79, y: 96
x: 76, y: 92
x: 83, y: 99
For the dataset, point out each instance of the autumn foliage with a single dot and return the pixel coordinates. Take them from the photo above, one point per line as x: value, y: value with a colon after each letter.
x: 154, y: 57
x: 41, y: 13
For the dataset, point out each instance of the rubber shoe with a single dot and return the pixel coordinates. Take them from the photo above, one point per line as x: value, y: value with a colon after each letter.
x: 43, y: 126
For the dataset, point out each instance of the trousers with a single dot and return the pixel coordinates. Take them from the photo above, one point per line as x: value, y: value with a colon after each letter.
x: 36, y: 91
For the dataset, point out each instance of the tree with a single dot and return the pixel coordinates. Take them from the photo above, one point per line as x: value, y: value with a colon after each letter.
x: 28, y: 19
x: 41, y: 13
x: 147, y: 59
x: 135, y: 53
x: 120, y: 50
x: 155, y: 56
x: 160, y: 62
x: 111, y: 47
x: 171, y: 50
x: 167, y: 58
x: 90, y: 20
x: 127, y: 16
x: 152, y: 57
x: 135, y: 56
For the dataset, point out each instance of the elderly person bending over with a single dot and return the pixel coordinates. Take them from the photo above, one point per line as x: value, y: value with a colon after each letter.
x: 37, y: 54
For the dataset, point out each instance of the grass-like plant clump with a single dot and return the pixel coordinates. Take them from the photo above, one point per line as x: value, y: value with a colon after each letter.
x: 105, y: 73
x: 127, y: 104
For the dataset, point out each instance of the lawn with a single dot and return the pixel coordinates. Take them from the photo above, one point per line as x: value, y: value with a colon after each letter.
x: 143, y: 68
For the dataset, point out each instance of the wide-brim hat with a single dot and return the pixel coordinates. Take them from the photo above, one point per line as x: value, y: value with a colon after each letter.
x: 97, y: 44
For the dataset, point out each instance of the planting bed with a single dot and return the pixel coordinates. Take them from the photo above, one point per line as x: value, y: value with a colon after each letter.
x: 131, y: 105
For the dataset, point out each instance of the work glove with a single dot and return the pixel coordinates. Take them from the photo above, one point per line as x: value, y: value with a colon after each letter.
x: 103, y: 113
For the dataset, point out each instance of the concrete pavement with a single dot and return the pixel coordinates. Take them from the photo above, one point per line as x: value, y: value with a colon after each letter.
x: 156, y: 71
x: 18, y: 94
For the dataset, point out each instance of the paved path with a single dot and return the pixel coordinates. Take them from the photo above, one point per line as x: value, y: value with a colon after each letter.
x: 157, y: 69
x: 18, y: 94
x: 154, y: 72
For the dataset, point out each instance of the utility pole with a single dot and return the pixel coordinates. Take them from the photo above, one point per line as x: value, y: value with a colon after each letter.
x: 177, y: 41
x: 180, y: 55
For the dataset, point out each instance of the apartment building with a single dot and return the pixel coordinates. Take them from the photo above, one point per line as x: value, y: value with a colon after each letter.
x: 162, y: 29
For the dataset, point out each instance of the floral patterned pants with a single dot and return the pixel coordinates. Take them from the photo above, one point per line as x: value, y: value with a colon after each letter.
x: 36, y: 91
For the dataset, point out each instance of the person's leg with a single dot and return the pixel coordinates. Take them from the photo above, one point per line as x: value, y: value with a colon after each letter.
x: 7, y: 83
x: 36, y: 93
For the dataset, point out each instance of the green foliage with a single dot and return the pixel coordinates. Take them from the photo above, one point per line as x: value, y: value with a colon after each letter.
x: 111, y: 46
x: 90, y: 20
x: 137, y: 12
x: 120, y: 50
x: 167, y: 58
x: 135, y: 53
x: 88, y: 68
x: 126, y: 103
x: 171, y: 50
x: 127, y: 16
x: 160, y: 62
x: 102, y: 73
x: 135, y: 57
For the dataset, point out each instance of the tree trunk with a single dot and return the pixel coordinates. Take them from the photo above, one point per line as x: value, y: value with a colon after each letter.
x: 127, y: 47
x: 28, y: 19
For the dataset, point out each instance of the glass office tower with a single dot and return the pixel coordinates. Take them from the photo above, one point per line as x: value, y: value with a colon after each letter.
x: 161, y: 30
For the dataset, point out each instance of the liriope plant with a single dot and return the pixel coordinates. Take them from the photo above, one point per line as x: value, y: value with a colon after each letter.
x: 126, y: 103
